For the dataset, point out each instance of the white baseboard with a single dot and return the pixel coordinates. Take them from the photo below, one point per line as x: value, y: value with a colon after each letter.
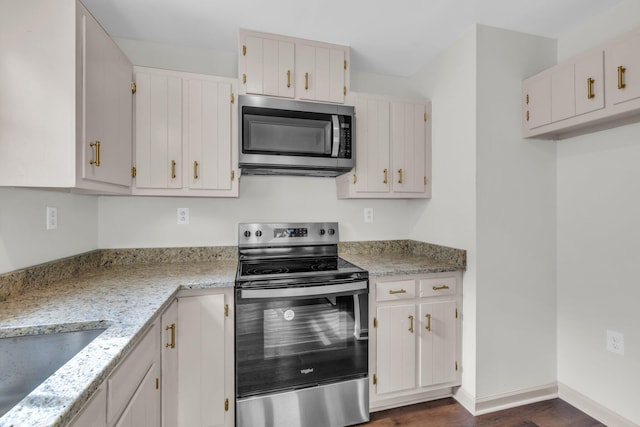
x: 593, y: 408
x: 502, y: 401
x: 397, y: 402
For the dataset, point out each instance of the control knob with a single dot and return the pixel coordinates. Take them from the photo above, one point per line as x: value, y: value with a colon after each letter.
x: 258, y: 233
x: 247, y: 234
x: 332, y: 232
x: 322, y: 231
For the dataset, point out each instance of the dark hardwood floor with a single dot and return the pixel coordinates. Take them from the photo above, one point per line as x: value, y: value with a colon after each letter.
x: 449, y: 413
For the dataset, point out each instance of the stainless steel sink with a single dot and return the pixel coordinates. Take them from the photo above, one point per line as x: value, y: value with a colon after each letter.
x: 26, y: 361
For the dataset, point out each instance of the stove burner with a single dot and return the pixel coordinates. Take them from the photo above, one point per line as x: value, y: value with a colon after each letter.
x: 266, y: 270
x: 323, y: 266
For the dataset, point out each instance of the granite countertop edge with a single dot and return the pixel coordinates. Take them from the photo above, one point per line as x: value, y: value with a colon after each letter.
x: 123, y: 290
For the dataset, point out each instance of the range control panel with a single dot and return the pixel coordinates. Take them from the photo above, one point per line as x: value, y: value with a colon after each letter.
x: 271, y: 234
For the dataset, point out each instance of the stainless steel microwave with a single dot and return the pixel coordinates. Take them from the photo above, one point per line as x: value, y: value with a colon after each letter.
x: 286, y: 137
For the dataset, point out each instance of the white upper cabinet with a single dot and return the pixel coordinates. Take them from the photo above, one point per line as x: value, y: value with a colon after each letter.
x: 623, y: 70
x: 596, y: 90
x: 186, y: 137
x: 268, y: 66
x: 393, y: 149
x: 274, y: 65
x: 158, y: 130
x: 66, y: 103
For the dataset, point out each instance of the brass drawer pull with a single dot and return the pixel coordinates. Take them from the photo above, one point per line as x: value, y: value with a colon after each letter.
x: 439, y: 288
x: 195, y: 170
x: 288, y: 78
x: 428, y: 322
x: 171, y: 328
x: 590, y: 94
x: 386, y: 172
x: 96, y: 161
x: 400, y: 173
x: 401, y: 291
x: 411, y: 324
x: 306, y: 81
x: 173, y: 169
x: 621, y: 83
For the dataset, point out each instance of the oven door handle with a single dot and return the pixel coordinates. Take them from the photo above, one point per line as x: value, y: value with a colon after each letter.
x: 313, y: 291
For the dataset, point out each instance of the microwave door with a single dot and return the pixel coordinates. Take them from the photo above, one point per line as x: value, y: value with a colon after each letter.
x: 336, y: 135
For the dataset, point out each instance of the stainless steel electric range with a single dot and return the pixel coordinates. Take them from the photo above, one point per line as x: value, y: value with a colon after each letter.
x: 301, y: 330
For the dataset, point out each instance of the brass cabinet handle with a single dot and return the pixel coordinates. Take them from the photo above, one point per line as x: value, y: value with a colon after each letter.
x: 173, y: 169
x: 355, y: 178
x: 233, y: 175
x: 288, y: 78
x: 439, y: 288
x: 590, y: 94
x: 195, y: 170
x: 171, y: 328
x: 428, y: 328
x: 411, y: 324
x: 306, y: 81
x: 401, y: 291
x: 621, y: 83
x: 96, y: 160
x: 400, y: 174
x: 385, y: 176
x: 244, y: 78
x: 527, y: 115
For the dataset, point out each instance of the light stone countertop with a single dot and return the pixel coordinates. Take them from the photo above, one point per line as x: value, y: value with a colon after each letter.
x: 123, y: 290
x: 124, y: 299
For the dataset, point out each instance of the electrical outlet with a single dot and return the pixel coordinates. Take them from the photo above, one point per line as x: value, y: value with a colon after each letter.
x: 52, y: 218
x: 368, y: 215
x: 615, y: 342
x: 183, y: 216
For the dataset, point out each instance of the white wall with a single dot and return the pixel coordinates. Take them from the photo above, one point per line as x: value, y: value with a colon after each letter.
x: 24, y: 240
x: 152, y: 221
x: 516, y: 218
x: 449, y: 217
x: 598, y: 254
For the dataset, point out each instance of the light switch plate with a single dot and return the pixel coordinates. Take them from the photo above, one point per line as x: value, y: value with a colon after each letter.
x: 368, y: 215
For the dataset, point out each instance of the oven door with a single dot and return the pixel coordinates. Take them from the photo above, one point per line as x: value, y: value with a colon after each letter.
x: 300, y: 336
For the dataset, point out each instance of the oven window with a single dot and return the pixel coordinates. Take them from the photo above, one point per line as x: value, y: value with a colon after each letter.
x: 282, y: 344
x: 304, y: 329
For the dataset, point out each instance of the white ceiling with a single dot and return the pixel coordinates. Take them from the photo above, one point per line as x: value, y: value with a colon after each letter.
x: 386, y: 37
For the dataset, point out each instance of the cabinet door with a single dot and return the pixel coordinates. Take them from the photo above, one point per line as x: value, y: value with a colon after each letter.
x: 209, y: 134
x: 107, y: 107
x: 623, y: 70
x: 169, y: 365
x: 563, y: 92
x: 537, y: 98
x: 202, y: 355
x: 269, y: 66
x: 373, y: 145
x: 94, y: 412
x: 589, y: 72
x: 158, y: 135
x: 408, y: 124
x: 144, y: 407
x: 438, y: 341
x: 396, y: 348
x: 320, y: 73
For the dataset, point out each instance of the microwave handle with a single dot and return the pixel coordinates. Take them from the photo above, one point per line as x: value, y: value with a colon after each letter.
x: 336, y: 136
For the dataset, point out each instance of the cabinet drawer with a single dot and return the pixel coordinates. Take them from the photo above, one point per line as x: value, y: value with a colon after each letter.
x: 435, y: 286
x: 126, y: 378
x: 391, y: 291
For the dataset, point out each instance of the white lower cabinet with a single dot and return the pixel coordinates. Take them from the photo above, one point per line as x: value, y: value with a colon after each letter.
x: 198, y: 373
x: 415, y: 344
x: 93, y: 413
x: 133, y: 389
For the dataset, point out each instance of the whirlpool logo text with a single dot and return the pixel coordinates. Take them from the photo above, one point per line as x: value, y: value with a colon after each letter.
x: 306, y: 371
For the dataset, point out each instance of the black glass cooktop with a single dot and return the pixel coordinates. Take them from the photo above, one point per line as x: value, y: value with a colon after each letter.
x: 284, y: 266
